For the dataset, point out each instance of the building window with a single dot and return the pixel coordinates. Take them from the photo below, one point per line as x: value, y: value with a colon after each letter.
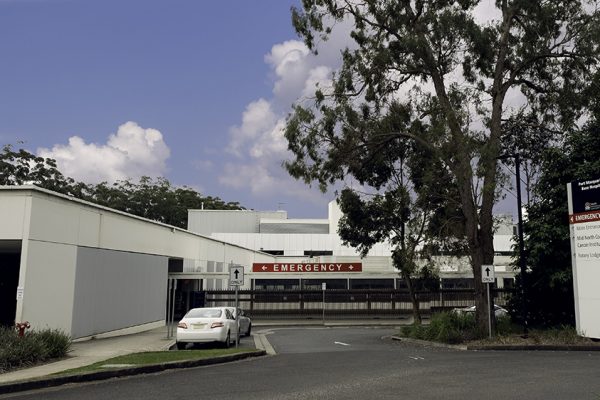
x: 316, y: 284
x: 175, y: 265
x: 276, y: 284
x: 371, y: 283
x: 419, y: 284
x: 458, y: 283
x: 316, y: 253
x: 273, y: 252
x: 508, y: 283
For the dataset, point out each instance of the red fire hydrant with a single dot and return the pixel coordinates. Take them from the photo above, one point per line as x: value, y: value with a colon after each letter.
x: 21, y: 326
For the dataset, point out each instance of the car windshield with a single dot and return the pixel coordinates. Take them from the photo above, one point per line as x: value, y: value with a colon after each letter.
x: 204, y: 313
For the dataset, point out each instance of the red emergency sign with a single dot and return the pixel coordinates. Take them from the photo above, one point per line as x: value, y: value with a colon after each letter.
x: 306, y: 267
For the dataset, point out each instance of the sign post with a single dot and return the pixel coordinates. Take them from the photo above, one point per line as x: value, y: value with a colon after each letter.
x: 488, y: 276
x: 171, y: 287
x: 324, y: 287
x: 236, y: 278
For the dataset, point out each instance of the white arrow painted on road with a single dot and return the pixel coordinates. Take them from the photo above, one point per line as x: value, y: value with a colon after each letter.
x: 341, y: 343
x: 416, y: 358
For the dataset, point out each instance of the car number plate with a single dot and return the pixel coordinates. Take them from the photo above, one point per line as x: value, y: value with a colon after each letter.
x: 198, y: 326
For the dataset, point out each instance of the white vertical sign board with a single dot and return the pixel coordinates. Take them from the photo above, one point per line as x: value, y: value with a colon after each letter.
x: 488, y: 274
x: 584, y: 227
x: 236, y: 275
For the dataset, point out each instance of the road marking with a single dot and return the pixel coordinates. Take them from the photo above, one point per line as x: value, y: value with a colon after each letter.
x: 416, y: 358
x: 341, y: 343
x: 261, y: 343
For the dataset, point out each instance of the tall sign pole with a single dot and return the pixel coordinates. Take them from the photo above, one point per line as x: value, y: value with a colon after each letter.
x: 522, y: 265
x: 169, y: 283
x: 236, y: 278
x: 173, y: 307
x: 488, y: 276
x: 324, y: 287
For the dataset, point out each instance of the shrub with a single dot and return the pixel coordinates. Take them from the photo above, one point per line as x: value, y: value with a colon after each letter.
x: 55, y: 341
x: 446, y: 327
x: 34, y: 347
x: 505, y: 326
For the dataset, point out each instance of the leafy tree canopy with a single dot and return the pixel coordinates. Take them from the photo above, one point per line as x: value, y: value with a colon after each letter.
x: 156, y: 199
x: 547, y: 243
x: 445, y: 76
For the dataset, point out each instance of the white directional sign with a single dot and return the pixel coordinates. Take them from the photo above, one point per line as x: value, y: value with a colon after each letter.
x: 236, y: 275
x: 487, y: 274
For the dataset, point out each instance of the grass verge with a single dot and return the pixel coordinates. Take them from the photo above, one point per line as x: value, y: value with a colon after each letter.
x: 154, y: 357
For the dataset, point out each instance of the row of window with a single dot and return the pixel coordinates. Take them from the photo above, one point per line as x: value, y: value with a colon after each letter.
x: 419, y: 284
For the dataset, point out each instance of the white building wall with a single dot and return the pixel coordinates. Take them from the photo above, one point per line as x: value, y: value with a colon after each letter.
x: 53, y: 228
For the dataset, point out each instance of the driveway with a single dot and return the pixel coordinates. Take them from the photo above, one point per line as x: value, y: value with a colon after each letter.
x: 361, y: 363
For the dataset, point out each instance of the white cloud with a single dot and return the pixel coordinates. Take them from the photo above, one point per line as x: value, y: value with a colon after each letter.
x: 258, y: 142
x: 130, y: 153
x: 291, y: 64
x: 257, y: 119
x: 263, y: 182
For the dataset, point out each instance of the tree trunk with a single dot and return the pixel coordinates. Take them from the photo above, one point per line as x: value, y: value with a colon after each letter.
x: 413, y: 299
x: 483, y: 254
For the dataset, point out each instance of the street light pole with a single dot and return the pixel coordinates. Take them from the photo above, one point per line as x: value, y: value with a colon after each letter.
x: 522, y: 266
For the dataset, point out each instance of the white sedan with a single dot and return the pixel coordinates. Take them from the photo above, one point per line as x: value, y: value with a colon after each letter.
x: 244, y: 321
x: 201, y: 325
x: 498, y: 311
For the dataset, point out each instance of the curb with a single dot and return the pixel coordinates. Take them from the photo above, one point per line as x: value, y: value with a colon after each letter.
x: 121, y: 372
x: 534, y: 347
x: 500, y: 347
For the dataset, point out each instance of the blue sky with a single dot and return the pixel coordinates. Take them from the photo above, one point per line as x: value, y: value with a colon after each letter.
x: 195, y: 91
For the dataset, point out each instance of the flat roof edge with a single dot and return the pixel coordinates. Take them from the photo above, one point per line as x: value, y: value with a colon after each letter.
x: 33, y: 188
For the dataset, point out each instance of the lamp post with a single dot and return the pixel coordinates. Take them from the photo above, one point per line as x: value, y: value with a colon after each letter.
x: 521, y: 242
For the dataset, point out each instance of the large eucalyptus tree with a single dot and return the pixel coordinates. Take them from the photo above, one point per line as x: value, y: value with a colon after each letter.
x: 453, y: 66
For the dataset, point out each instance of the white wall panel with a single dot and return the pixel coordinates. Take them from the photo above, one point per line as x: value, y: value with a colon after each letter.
x: 116, y: 290
x: 13, y: 208
x: 89, y: 228
x: 52, y: 221
x: 48, y: 285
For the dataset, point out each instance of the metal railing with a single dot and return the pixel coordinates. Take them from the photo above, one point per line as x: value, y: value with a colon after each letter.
x: 266, y: 304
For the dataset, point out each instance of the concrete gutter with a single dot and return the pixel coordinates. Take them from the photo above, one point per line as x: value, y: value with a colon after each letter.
x: 52, y: 381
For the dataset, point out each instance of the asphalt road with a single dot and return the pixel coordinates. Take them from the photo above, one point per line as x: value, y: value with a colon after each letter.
x: 360, y: 363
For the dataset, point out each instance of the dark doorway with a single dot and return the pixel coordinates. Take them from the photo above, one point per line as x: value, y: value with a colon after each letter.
x: 9, y: 279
